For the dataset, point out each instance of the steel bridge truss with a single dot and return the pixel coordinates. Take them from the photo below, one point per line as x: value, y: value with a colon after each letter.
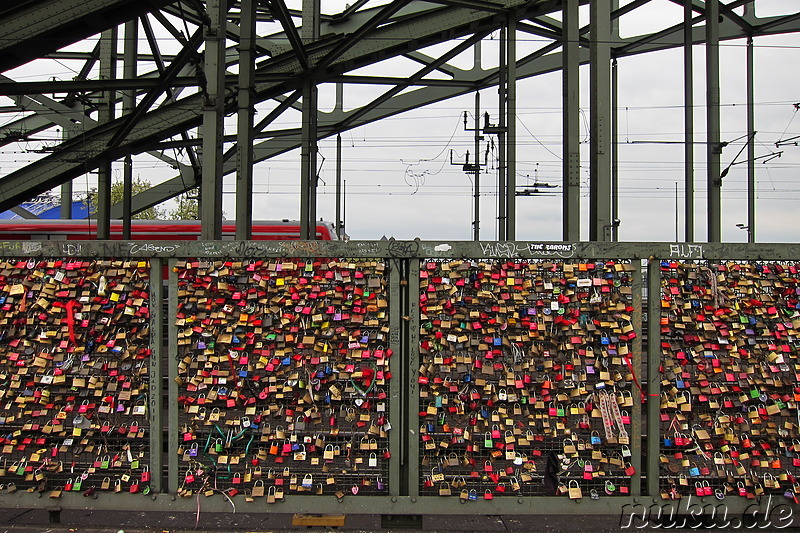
x: 158, y: 77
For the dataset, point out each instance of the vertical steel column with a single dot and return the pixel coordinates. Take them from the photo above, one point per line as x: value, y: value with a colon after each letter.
x: 751, y: 144
x: 653, y: 374
x: 173, y: 407
x: 637, y: 287
x: 156, y: 376
x: 571, y: 172
x: 308, y: 135
x: 338, y: 218
x: 108, y: 71
x: 688, y: 119
x: 614, y: 128
x: 65, y: 210
x: 411, y: 423
x: 713, y: 147
x: 511, y: 137
x: 395, y: 410
x: 308, y: 161
x: 244, y: 124
x: 502, y: 173
x: 213, y: 116
x: 614, y: 150
x: 129, y: 56
x: 600, y: 156
x: 476, y: 223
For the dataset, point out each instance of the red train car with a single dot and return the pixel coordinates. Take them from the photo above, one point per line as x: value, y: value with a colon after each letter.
x: 151, y: 230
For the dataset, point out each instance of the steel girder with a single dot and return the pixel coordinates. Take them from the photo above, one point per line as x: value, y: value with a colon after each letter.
x: 461, y: 82
x: 38, y: 27
x: 412, y: 25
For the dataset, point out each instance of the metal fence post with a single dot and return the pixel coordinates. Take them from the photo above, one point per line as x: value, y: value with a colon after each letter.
x: 396, y: 409
x: 653, y: 374
x: 411, y: 427
x: 173, y: 409
x: 636, y: 438
x: 156, y: 392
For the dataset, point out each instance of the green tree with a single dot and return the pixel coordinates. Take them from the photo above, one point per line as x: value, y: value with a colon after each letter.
x: 186, y: 208
x: 117, y: 193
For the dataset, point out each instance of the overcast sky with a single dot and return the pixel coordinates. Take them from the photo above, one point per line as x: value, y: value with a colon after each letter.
x: 400, y: 181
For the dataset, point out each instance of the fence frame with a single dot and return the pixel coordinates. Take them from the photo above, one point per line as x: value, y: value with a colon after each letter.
x: 403, y: 258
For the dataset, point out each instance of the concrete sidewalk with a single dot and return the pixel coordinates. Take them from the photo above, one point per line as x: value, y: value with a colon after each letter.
x: 38, y: 521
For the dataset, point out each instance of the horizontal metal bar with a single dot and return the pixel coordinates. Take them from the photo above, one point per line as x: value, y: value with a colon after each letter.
x: 521, y: 250
x: 627, y: 508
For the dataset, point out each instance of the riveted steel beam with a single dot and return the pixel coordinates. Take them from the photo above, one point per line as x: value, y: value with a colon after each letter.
x: 47, y: 25
x: 166, y: 122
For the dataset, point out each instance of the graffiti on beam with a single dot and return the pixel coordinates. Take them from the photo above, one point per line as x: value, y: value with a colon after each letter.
x: 517, y: 250
x: 300, y: 248
x: 71, y: 249
x: 403, y: 248
x: 686, y: 251
x: 135, y: 248
x: 24, y: 247
x: 552, y: 250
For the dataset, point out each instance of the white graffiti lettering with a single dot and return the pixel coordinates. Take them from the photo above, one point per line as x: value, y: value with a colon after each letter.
x: 135, y: 248
x: 691, y: 251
